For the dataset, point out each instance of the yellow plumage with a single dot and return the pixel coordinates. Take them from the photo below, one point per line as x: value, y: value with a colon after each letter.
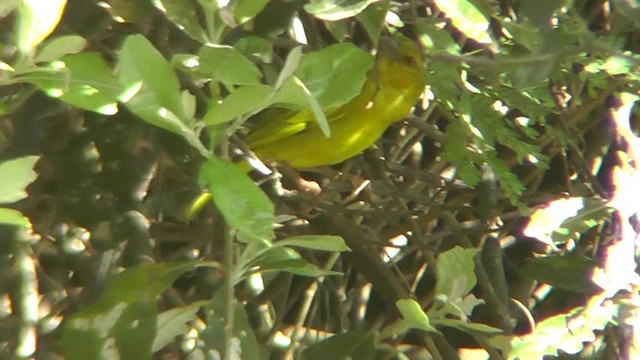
x: 392, y: 87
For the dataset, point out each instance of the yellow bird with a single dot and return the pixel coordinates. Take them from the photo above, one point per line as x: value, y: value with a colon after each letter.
x: 392, y: 88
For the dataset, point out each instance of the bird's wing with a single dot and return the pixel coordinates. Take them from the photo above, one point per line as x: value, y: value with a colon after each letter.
x: 275, y: 124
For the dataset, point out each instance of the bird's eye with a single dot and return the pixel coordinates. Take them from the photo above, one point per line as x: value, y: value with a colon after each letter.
x: 409, y: 60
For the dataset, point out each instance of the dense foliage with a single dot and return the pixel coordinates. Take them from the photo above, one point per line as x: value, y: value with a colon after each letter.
x: 499, y: 220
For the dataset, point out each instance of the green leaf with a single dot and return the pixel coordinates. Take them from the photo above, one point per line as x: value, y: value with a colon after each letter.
x: 14, y: 217
x: 372, y: 18
x: 244, y: 339
x: 286, y: 259
x: 60, y: 46
x: 469, y: 327
x: 131, y: 11
x: 336, y: 74
x: 15, y: 175
x: 315, y: 242
x: 153, y: 88
x: 563, y: 219
x: 37, y: 19
x: 333, y: 10
x: 455, y: 276
x: 570, y: 272
x: 143, y: 282
x: 244, y: 206
x: 245, y: 10
x: 140, y: 62
x: 227, y: 65
x: 350, y: 345
x: 135, y: 330
x: 182, y: 14
x: 172, y: 323
x: 290, y: 65
x: 125, y: 313
x: 255, y: 48
x: 85, y: 81
x: 246, y: 100
x: 567, y: 332
x: 293, y: 93
x: 466, y: 18
x: 413, y: 315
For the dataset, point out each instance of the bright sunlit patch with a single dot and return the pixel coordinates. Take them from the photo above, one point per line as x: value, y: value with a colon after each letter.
x: 222, y: 3
x: 191, y: 62
x: 532, y: 159
x: 448, y: 173
x: 365, y: 294
x: 298, y: 31
x: 255, y: 283
x: 6, y: 67
x: 74, y: 246
x: 193, y: 254
x: 428, y: 94
x: 5, y: 305
x: 500, y: 107
x: 473, y: 129
x: 393, y: 19
x: 522, y: 120
x: 259, y: 165
x: 505, y: 29
x: 281, y: 340
x: 57, y: 65
x: 391, y: 251
x: 467, y: 84
x: 543, y: 222
x: 190, y: 340
x: 50, y: 323
x: 55, y: 93
x: 131, y: 91
x: 158, y: 4
x: 109, y: 109
x: 163, y: 112
x: 88, y: 90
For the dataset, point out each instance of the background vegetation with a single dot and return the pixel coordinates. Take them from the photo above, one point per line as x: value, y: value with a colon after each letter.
x: 497, y: 221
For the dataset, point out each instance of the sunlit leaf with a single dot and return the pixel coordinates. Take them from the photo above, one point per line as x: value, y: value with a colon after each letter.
x: 245, y: 345
x: 413, y: 315
x: 336, y: 10
x: 335, y: 75
x: 123, y: 319
x: 15, y: 175
x: 568, y: 332
x: 570, y: 272
x: 37, y: 19
x: 289, y: 260
x: 139, y: 61
x: 467, y: 18
x: 244, y: 206
x: 245, y: 10
x: 455, y: 275
x: 84, y: 80
x: 153, y: 89
x: 59, y: 47
x: 316, y: 242
x: 246, y: 100
x: 182, y: 14
x: 227, y: 65
x: 173, y: 322
x: 14, y: 218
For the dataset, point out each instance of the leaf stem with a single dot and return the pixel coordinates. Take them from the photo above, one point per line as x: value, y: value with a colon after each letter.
x: 229, y: 303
